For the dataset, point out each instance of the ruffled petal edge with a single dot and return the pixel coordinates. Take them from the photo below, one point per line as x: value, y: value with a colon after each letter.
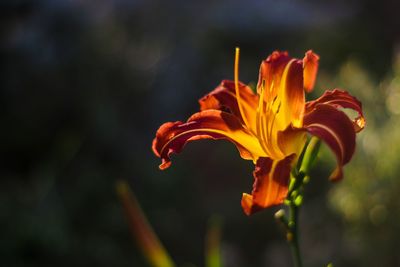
x: 171, y: 137
x: 336, y: 130
x: 271, y: 182
x: 340, y: 99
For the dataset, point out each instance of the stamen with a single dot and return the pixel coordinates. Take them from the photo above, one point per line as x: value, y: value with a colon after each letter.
x: 236, y: 80
x: 264, y: 117
x: 259, y: 119
x: 272, y: 124
x: 280, y: 98
x: 267, y: 118
x: 273, y: 101
x: 279, y: 107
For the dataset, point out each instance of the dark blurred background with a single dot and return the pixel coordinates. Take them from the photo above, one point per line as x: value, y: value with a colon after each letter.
x: 85, y: 85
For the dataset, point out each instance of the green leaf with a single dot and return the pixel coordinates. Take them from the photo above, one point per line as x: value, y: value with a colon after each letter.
x: 213, y: 243
x: 141, y: 229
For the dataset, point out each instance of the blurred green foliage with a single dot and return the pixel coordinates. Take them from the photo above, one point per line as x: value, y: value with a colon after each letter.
x: 367, y: 199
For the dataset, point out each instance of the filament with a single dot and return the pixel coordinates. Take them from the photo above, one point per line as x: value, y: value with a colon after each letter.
x: 236, y: 80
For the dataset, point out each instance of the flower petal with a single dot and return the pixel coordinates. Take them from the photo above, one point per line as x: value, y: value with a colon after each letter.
x: 270, y: 186
x: 336, y: 129
x: 282, y: 99
x: 340, y: 99
x: 281, y: 85
x: 171, y: 137
x: 271, y: 71
x: 310, y: 66
x: 292, y: 140
x: 292, y: 95
x: 224, y: 98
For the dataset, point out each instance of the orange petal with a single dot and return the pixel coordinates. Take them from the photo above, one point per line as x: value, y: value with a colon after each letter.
x: 310, y: 66
x: 281, y: 90
x: 270, y: 186
x: 224, y: 98
x: 271, y: 71
x: 336, y: 129
x: 171, y: 137
x: 340, y: 99
x: 291, y: 95
x: 281, y: 84
x: 292, y: 140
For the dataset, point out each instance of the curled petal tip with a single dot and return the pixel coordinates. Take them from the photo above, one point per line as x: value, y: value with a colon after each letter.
x: 207, y: 124
x: 247, y: 201
x: 336, y: 175
x: 164, y: 165
x: 340, y: 99
x: 310, y: 67
x: 311, y: 54
x: 276, y: 55
x: 154, y: 147
x: 337, y: 130
x: 248, y: 205
x: 359, y: 124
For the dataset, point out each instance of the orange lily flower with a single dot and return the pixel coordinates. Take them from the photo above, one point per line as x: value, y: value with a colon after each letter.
x: 269, y: 127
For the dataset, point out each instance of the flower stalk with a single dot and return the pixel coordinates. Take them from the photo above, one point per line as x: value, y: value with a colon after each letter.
x: 292, y: 236
x: 294, y: 199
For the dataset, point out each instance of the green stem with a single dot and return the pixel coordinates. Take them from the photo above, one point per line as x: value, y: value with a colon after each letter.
x: 292, y: 235
x: 294, y: 198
